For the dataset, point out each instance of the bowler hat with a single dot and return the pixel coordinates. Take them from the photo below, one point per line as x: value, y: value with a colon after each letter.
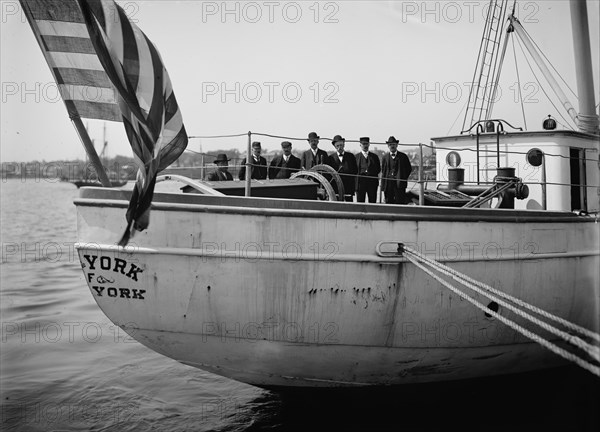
x: 286, y: 144
x: 337, y: 138
x: 256, y: 144
x: 313, y: 135
x: 364, y: 139
x: 221, y: 157
x: 392, y: 140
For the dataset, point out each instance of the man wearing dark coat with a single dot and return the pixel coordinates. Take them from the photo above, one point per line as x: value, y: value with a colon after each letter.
x: 345, y: 164
x: 369, y: 168
x: 284, y: 165
x: 395, y: 169
x: 221, y: 173
x: 258, y: 164
x: 313, y: 156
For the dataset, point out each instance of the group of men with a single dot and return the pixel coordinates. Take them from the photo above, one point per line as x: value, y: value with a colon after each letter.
x: 359, y: 173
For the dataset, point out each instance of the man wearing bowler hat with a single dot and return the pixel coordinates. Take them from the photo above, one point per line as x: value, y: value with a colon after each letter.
x: 258, y: 164
x: 284, y: 165
x: 395, y: 169
x: 221, y: 173
x: 345, y: 164
x: 313, y: 156
x: 369, y: 168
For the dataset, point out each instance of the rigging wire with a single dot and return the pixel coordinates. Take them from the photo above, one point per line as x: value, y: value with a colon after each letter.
x: 498, y: 61
x: 434, y: 147
x: 481, y: 50
x: 542, y: 87
x: 457, y: 117
x: 218, y: 136
x: 519, y: 84
x: 493, y: 58
x: 549, y: 62
x: 412, y: 145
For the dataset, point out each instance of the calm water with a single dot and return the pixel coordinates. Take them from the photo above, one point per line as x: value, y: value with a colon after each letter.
x: 64, y: 366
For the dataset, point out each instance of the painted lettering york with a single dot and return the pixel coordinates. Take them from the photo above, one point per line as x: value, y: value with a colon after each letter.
x: 117, y: 265
x: 119, y: 292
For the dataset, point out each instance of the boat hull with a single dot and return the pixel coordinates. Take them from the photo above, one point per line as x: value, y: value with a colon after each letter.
x: 283, y: 294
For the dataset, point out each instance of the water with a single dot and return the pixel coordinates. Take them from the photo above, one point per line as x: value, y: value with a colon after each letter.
x: 64, y: 366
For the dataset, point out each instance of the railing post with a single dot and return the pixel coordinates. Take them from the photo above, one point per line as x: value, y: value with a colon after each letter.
x: 499, y: 129
x: 478, y: 127
x: 202, y: 162
x: 544, y: 203
x: 421, y: 184
x: 248, y: 165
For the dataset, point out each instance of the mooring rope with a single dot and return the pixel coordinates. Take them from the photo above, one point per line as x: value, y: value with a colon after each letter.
x: 574, y: 327
x: 415, y: 257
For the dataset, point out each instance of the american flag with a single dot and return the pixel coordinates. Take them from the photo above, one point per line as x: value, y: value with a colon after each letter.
x: 93, y: 48
x: 63, y: 37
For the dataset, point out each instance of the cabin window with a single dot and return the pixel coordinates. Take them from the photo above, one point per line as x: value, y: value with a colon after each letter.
x: 578, y: 181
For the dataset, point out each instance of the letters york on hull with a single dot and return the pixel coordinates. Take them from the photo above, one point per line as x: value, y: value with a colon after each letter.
x: 99, y: 271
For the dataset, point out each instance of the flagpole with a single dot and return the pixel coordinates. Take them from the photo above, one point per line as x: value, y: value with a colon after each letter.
x: 91, y: 152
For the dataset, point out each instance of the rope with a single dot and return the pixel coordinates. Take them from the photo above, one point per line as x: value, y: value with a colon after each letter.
x: 217, y: 136
x: 413, y: 257
x: 330, y: 139
x: 476, y: 285
x: 285, y: 137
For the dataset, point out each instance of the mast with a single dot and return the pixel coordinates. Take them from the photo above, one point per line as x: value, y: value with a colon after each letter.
x: 588, y: 119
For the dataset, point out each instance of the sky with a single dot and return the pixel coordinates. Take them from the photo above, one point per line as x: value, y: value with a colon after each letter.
x: 288, y: 68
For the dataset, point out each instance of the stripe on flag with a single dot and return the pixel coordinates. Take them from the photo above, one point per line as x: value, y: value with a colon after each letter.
x: 151, y: 116
x: 65, y: 42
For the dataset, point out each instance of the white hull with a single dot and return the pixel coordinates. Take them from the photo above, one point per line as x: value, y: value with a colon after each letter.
x: 273, y: 292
